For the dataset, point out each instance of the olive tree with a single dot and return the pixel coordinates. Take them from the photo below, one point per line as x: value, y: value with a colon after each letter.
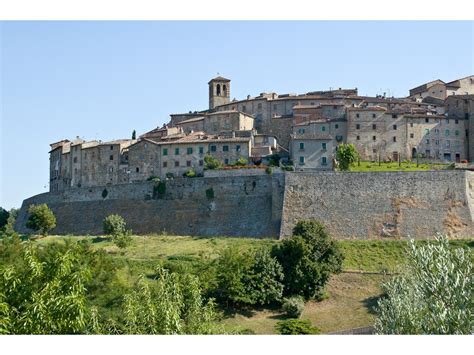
x: 41, y: 219
x: 433, y: 295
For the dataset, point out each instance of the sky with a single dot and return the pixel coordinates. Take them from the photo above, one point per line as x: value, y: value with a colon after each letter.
x: 102, y: 80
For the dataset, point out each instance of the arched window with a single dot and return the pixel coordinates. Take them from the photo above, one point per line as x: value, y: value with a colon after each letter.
x: 224, y: 89
x: 218, y: 90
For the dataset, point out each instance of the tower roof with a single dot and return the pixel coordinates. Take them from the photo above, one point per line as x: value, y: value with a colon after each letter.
x: 218, y: 78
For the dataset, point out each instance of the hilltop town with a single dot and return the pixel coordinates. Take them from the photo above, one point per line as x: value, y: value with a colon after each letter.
x: 435, y: 122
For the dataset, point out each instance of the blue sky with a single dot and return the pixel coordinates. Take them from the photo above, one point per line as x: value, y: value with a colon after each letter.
x: 102, y: 80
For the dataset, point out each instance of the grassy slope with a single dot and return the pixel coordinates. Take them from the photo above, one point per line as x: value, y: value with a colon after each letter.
x: 351, y: 295
x: 369, y: 166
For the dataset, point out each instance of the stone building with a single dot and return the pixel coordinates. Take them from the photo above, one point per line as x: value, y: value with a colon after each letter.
x: 441, y: 90
x: 461, y: 108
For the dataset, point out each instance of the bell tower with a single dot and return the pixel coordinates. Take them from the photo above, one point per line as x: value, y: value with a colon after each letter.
x: 219, y: 92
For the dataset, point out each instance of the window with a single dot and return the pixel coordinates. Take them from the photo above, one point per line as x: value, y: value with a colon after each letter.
x: 201, y: 150
x: 75, y: 159
x: 446, y: 133
x: 259, y: 106
x: 437, y: 141
x: 213, y: 148
x: 437, y: 131
x: 324, y: 161
x: 427, y: 152
x: 411, y: 124
x: 395, y: 127
x: 394, y: 116
x: 336, y: 126
x: 189, y: 150
x: 237, y: 148
x: 201, y: 162
x: 427, y: 141
x: 357, y: 115
x: 427, y: 120
x: 373, y: 115
x: 176, y: 163
x: 456, y: 132
x: 137, y: 170
x: 427, y: 131
x: 412, y: 135
x: 111, y: 170
x: 301, y: 160
x: 394, y: 139
x: 323, y: 128
x: 374, y: 138
x: 358, y: 138
x: 218, y: 91
x: 165, y: 151
x: 111, y: 147
x: 323, y: 146
x: 243, y: 108
x: 456, y: 121
x: 374, y: 126
x: 357, y: 126
x: 466, y: 116
x: 448, y: 144
x: 111, y: 157
x: 301, y: 145
x: 226, y: 161
x: 225, y: 148
x: 176, y: 151
x: 188, y: 163
x: 301, y: 131
x: 165, y: 164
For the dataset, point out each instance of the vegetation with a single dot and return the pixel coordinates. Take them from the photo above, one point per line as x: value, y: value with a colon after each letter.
x: 159, y: 189
x: 41, y: 219
x: 210, y: 193
x: 211, y: 163
x: 241, y: 162
x: 190, y: 173
x: 8, y: 225
x: 116, y: 228
x: 295, y: 327
x: 434, y: 294
x: 269, y: 170
x: 293, y: 306
x: 395, y: 166
x: 4, y: 214
x: 308, y: 258
x: 346, y: 155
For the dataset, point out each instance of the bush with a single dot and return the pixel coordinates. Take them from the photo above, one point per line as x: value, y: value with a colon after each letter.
x: 269, y: 170
x: 241, y: 162
x: 4, y: 214
x: 154, y: 178
x: 295, y: 327
x: 41, y: 219
x: 190, y: 173
x: 433, y: 295
x: 115, y: 227
x: 293, y: 306
x: 288, y: 168
x: 211, y: 163
x: 308, y: 258
x: 170, y: 176
x: 346, y: 155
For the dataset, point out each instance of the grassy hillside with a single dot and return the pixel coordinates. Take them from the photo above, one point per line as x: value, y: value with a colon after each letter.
x: 352, y: 294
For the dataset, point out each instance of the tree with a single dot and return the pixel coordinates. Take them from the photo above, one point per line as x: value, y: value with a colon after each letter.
x: 308, y: 257
x: 346, y: 155
x: 173, y: 304
x: 4, y: 214
x: 41, y: 219
x: 134, y: 134
x: 295, y: 327
x: 433, y: 294
x: 9, y: 229
x: 115, y: 226
x: 211, y: 163
x: 38, y: 297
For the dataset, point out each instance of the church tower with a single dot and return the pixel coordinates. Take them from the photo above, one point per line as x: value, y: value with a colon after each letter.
x: 219, y: 92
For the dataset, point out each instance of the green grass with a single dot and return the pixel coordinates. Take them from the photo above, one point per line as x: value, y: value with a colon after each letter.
x: 404, y: 166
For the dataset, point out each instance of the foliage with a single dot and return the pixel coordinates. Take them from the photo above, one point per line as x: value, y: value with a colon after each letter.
x: 346, y: 155
x: 210, y: 193
x: 295, y: 327
x: 154, y: 179
x: 159, y: 189
x: 241, y: 162
x: 293, y: 306
x: 287, y: 168
x: 4, y: 214
x: 116, y: 228
x: 39, y: 297
x: 41, y: 219
x: 274, y: 160
x: 9, y: 227
x: 170, y: 176
x: 308, y: 258
x: 190, y: 173
x: 211, y: 163
x: 173, y: 304
x: 434, y: 294
x: 269, y: 170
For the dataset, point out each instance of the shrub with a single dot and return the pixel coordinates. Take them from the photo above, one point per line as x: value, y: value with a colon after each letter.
x: 41, y: 219
x: 210, y: 193
x: 154, y: 178
x: 241, y: 162
x: 295, y: 327
x: 159, y: 189
x: 170, y: 176
x: 288, y: 168
x: 115, y: 227
x: 433, y: 295
x: 211, y: 163
x: 269, y: 170
x: 4, y: 214
x: 190, y: 173
x: 293, y: 306
x: 308, y: 258
x: 346, y: 155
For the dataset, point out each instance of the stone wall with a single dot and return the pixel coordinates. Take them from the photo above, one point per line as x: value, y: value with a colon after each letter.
x: 237, y: 206
x: 351, y: 205
x: 372, y: 205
